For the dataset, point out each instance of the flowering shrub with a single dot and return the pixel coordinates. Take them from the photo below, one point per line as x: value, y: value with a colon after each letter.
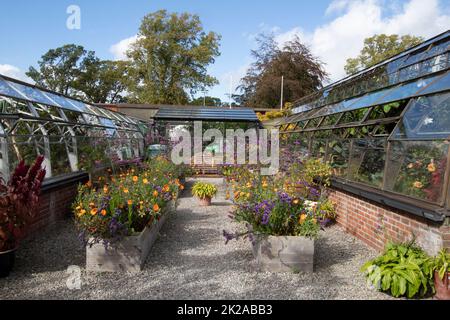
x: 126, y: 203
x: 19, y: 201
x: 280, y: 206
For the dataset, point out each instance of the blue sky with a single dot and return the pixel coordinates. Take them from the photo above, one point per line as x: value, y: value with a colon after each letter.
x: 334, y: 30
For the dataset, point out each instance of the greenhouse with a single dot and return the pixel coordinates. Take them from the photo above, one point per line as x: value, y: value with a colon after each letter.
x: 378, y: 128
x: 71, y: 134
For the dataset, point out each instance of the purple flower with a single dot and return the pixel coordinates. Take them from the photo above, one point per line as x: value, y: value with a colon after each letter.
x: 228, y: 236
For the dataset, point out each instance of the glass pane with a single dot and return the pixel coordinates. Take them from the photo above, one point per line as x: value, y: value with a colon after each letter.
x: 367, y: 161
x: 417, y: 169
x: 370, y: 99
x: 61, y: 101
x: 427, y: 117
x: 32, y: 94
x: 318, y: 148
x: 389, y: 110
x: 440, y: 85
x: 6, y: 90
x: 354, y: 116
x: 339, y: 154
x: 81, y: 106
x: 407, y: 90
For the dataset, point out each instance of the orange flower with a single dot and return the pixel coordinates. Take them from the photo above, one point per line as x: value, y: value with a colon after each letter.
x: 166, y: 188
x: 103, y: 212
x: 135, y: 179
x: 418, y: 185
x: 130, y: 202
x: 155, y: 193
x: 302, y: 218
x: 125, y: 190
x: 105, y: 189
x: 181, y: 187
x: 155, y: 207
x: 94, y: 211
x: 431, y: 167
x: 89, y: 184
x: 145, y: 181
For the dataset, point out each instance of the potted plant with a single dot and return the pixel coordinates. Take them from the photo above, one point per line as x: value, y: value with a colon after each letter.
x: 281, y: 225
x: 18, y: 204
x: 119, y: 222
x: 441, y: 269
x: 204, y: 191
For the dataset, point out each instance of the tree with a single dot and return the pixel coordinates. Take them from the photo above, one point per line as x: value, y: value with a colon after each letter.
x: 378, y: 48
x: 170, y: 58
x: 60, y: 68
x: 303, y: 73
x: 104, y: 81
x: 208, y: 101
x: 74, y: 71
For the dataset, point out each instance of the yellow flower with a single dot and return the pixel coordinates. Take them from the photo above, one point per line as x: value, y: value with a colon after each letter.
x: 105, y: 189
x: 130, y: 202
x: 103, y: 212
x: 295, y: 201
x: 82, y: 211
x: 125, y: 190
x: 155, y: 193
x: 145, y: 181
x: 91, y: 204
x: 418, y: 185
x: 94, y: 211
x: 155, y: 207
x: 78, y: 208
x: 410, y: 166
x: 315, y: 220
x: 431, y: 167
x: 135, y: 179
x: 302, y: 218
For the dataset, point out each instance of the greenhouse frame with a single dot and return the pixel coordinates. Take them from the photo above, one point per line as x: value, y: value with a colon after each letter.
x: 385, y: 130
x: 67, y: 131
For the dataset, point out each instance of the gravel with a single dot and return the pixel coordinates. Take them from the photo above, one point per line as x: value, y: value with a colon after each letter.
x: 189, y: 261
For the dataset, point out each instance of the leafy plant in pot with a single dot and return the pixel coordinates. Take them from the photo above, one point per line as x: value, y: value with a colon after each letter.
x: 204, y: 191
x: 441, y: 269
x: 18, y: 203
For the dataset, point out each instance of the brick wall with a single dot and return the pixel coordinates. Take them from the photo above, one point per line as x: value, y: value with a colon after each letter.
x: 376, y: 224
x: 54, y: 205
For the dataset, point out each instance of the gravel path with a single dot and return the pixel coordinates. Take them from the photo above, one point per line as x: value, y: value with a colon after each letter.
x: 189, y: 261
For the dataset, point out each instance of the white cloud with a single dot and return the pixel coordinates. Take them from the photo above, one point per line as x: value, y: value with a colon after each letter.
x: 14, y: 72
x: 343, y: 36
x: 120, y: 49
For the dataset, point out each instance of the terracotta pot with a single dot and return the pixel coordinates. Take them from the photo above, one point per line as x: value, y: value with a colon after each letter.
x: 205, y: 202
x: 7, y: 259
x: 442, y: 286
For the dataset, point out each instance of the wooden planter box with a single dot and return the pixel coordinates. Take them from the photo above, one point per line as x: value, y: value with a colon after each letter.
x: 130, y: 253
x: 284, y: 254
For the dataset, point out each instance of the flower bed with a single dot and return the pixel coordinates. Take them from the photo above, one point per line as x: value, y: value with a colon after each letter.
x: 125, y: 214
x: 278, y: 209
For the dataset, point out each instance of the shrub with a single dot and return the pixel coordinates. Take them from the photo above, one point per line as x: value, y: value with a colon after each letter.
x: 441, y: 263
x: 19, y: 201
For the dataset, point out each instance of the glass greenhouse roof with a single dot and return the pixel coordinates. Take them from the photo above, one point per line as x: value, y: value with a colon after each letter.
x: 12, y: 88
x: 429, y: 57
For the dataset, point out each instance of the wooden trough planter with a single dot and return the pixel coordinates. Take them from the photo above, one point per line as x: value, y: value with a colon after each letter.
x: 284, y: 254
x: 130, y: 253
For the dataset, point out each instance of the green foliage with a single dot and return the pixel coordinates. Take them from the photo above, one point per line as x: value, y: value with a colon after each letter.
x: 170, y: 58
x: 303, y: 73
x: 402, y: 270
x: 204, y: 190
x: 378, y: 48
x: 441, y: 263
x: 74, y: 71
x: 207, y: 101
